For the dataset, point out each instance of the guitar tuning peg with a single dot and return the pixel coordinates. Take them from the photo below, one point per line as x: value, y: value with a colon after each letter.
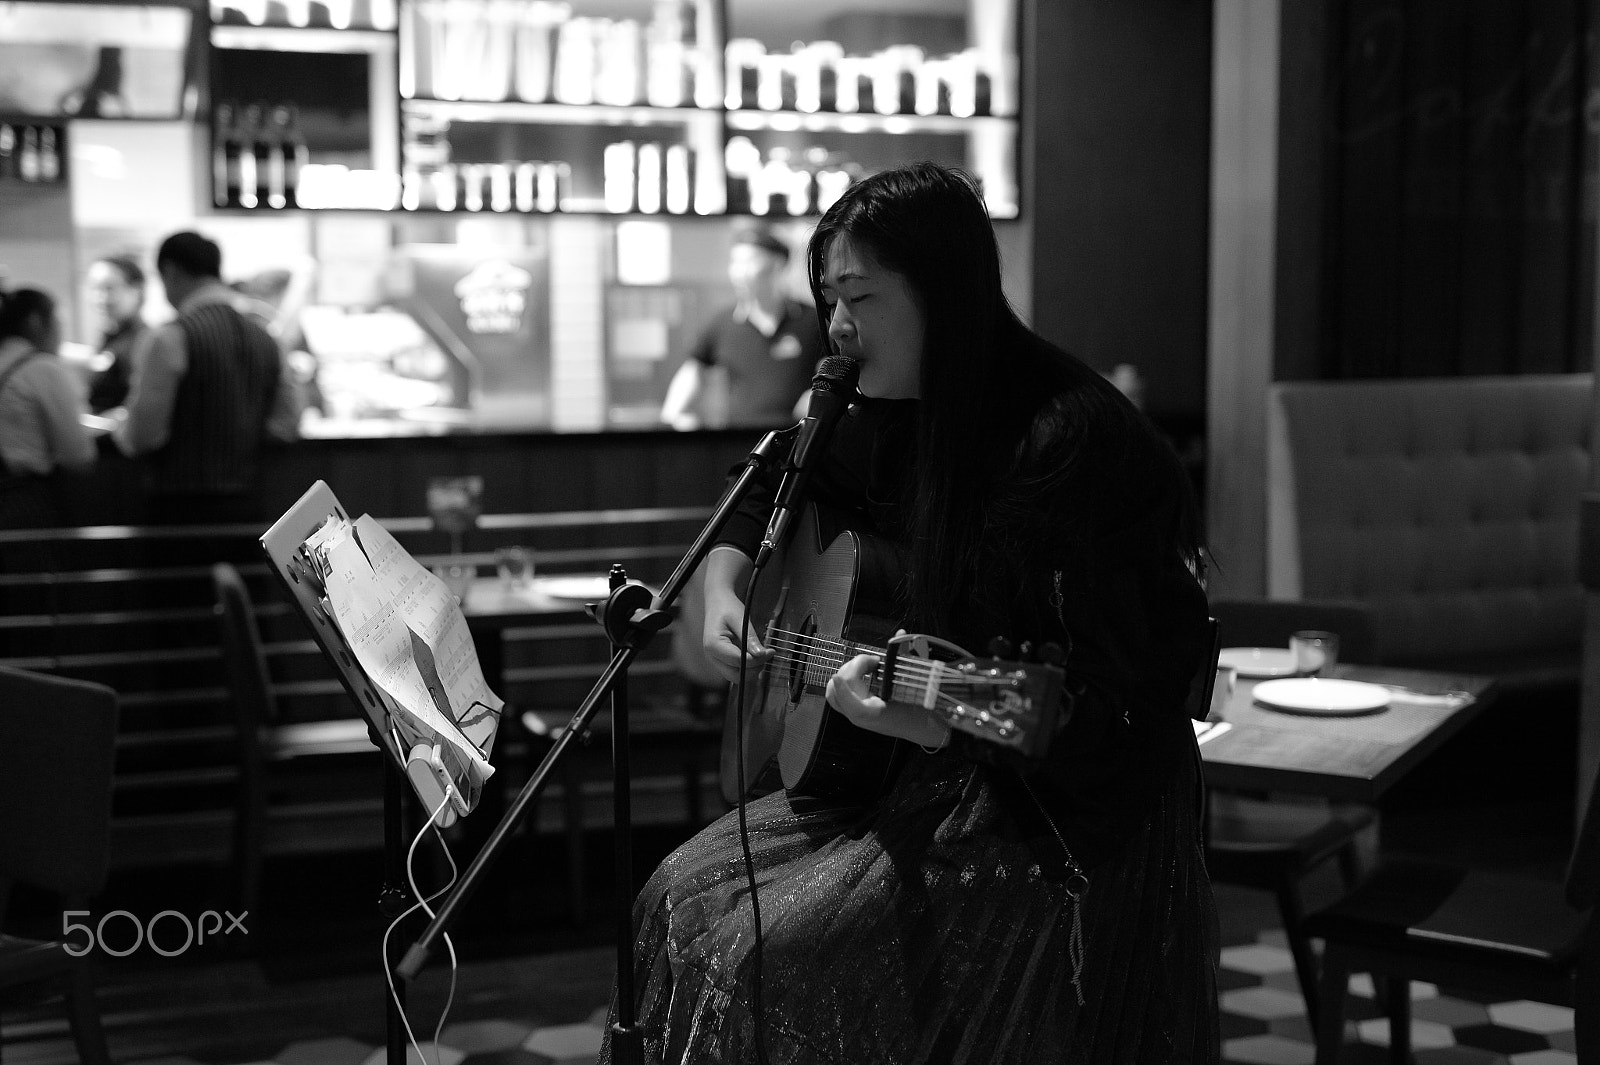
x: 999, y: 647
x: 1052, y: 654
x: 1025, y: 652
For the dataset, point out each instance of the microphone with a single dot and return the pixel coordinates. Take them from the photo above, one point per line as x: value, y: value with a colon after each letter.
x: 832, y: 388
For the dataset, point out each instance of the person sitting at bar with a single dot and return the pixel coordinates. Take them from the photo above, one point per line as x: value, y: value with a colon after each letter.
x: 40, y: 404
x: 976, y: 905
x: 753, y: 361
x: 208, y: 389
x: 115, y: 287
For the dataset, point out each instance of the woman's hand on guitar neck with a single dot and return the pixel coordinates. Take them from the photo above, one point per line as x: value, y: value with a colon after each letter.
x: 727, y: 571
x: 848, y: 693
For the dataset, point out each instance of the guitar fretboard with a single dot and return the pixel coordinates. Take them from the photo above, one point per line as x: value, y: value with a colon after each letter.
x: 817, y: 657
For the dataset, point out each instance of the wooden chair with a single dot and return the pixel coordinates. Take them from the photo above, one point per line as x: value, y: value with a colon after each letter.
x: 1466, y: 929
x: 264, y: 740
x: 1273, y: 845
x: 59, y: 736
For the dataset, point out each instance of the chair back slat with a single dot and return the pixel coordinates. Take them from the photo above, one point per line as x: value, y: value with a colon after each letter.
x: 59, y: 737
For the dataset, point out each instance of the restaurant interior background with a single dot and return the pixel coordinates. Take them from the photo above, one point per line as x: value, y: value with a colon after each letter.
x: 1222, y: 194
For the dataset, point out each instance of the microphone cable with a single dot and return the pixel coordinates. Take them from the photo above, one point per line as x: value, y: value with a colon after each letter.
x: 758, y: 1008
x: 422, y: 904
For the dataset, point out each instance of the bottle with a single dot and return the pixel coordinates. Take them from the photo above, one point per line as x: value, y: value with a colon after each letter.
x: 524, y: 187
x: 28, y: 157
x: 618, y: 165
x: 472, y: 191
x: 679, y: 178
x: 272, y: 162
x: 742, y: 162
x: 555, y: 182
x: 444, y: 187
x: 500, y: 187
x: 224, y: 157
x: 49, y: 154
x: 8, y: 150
x: 770, y: 195
x: 650, y: 178
x: 250, y: 174
x: 296, y: 154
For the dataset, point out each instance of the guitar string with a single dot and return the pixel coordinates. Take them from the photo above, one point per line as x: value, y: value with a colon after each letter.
x: 910, y: 672
x: 842, y: 651
x: 834, y: 658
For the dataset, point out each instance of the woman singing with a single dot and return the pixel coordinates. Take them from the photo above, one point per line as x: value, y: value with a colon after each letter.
x: 983, y: 907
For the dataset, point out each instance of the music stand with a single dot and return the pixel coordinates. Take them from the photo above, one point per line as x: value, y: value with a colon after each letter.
x: 282, y: 543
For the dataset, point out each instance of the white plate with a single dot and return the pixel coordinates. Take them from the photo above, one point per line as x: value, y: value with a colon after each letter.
x: 1315, y: 695
x: 586, y: 588
x: 1254, y: 662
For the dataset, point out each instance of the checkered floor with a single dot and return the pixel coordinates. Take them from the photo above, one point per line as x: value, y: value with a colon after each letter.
x: 1263, y: 1023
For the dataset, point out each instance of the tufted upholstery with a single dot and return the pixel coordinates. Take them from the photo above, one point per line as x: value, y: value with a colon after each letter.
x: 1448, y: 505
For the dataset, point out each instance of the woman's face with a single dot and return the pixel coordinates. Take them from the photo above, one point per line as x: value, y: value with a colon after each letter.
x: 111, y: 299
x: 874, y: 318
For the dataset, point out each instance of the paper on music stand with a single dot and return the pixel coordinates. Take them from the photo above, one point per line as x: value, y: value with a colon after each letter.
x: 407, y: 632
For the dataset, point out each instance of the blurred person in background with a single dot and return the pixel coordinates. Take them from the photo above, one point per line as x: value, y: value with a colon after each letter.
x: 208, y: 390
x: 115, y: 287
x: 766, y: 345
x: 40, y: 404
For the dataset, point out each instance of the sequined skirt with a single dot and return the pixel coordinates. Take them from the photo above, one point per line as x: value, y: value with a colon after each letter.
x: 921, y: 930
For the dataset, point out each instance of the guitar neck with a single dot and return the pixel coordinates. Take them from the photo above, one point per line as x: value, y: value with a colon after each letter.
x: 915, y: 681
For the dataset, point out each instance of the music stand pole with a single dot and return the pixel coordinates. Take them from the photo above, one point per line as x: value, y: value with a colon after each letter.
x: 626, y: 1040
x: 631, y: 617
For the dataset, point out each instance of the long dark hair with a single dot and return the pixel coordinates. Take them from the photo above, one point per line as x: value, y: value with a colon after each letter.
x: 19, y: 306
x: 988, y: 385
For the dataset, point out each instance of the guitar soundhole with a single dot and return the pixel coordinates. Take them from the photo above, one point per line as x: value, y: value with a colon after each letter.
x: 798, y: 661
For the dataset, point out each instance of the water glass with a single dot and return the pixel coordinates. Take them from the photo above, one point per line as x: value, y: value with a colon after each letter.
x: 515, y: 565
x: 1221, y: 692
x: 1314, y: 651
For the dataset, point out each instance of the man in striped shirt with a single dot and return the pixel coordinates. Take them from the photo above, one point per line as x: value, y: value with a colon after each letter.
x: 209, y: 388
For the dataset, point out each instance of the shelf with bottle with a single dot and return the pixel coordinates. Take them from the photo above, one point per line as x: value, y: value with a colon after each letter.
x: 237, y: 18
x: 552, y: 113
x: 902, y: 79
x: 258, y: 156
x: 538, y: 52
x: 673, y: 165
x: 634, y: 178
x: 32, y: 153
x: 856, y: 122
x: 784, y: 181
x: 297, y: 39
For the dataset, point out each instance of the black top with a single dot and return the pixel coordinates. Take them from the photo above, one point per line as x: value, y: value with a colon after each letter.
x: 109, y: 387
x: 1091, y: 571
x: 766, y: 375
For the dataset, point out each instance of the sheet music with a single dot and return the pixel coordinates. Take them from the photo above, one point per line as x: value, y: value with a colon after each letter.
x: 406, y: 630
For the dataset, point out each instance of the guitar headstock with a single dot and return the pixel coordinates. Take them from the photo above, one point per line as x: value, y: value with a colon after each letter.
x: 1011, y: 703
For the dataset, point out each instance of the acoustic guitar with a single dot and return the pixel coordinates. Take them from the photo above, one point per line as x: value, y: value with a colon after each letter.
x: 828, y: 603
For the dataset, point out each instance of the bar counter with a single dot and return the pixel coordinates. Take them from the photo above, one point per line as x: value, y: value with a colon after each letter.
x: 383, y: 468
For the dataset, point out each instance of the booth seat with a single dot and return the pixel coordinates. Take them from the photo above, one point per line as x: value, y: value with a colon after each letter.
x: 1448, y: 506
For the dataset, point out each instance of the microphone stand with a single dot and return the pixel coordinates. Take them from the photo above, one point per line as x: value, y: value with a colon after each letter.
x: 631, y: 617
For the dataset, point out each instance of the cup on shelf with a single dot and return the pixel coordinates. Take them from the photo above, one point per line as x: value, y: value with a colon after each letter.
x: 1314, y: 651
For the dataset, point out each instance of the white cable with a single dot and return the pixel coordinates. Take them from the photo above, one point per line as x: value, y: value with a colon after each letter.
x: 422, y: 904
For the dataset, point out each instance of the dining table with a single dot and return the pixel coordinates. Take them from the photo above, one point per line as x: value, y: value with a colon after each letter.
x: 1248, y: 744
x: 666, y: 738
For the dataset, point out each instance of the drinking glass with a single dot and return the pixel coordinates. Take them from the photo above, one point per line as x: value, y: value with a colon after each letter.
x: 515, y: 565
x: 1314, y: 651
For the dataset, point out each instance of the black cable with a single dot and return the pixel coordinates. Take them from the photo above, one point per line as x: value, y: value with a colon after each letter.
x: 758, y: 1011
